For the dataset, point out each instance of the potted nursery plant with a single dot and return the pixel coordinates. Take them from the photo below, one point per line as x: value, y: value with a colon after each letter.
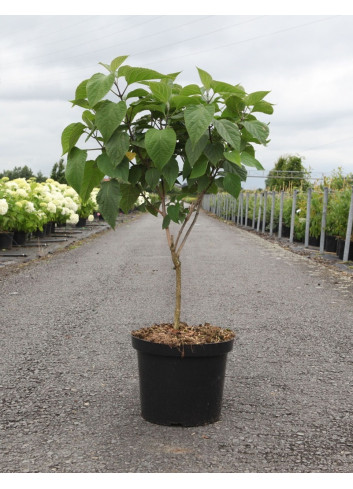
x: 154, y: 135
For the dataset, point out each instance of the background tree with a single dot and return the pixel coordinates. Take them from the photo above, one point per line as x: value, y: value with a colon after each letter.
x: 58, y: 172
x: 295, y: 174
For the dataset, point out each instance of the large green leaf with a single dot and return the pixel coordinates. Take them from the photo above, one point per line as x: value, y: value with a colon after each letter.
x: 75, y: 168
x: 254, y: 98
x: 133, y: 75
x: 81, y: 90
x: 171, y: 172
x: 233, y: 157
x: 258, y: 130
x: 117, y: 146
x: 194, y: 151
x: 249, y: 160
x: 179, y: 101
x: 106, y: 166
x: 70, y: 135
x: 92, y: 177
x: 109, y: 117
x: 98, y: 86
x: 108, y: 199
x: 222, y: 87
x: 129, y: 195
x: 135, y: 174
x: 232, y: 184
x: 114, y: 65
x: 152, y: 177
x: 237, y: 170
x: 197, y: 120
x: 214, y: 152
x: 160, y: 145
x: 264, y: 107
x: 229, y: 132
x: 199, y: 168
x: 192, y: 89
x: 161, y: 91
x: 205, y: 78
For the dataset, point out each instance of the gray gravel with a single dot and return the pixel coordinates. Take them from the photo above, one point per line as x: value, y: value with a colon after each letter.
x: 69, y: 385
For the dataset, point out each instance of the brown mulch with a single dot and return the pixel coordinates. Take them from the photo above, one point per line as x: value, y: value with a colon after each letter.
x: 187, y: 335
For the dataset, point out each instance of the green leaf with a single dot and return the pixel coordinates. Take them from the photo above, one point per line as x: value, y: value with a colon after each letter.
x: 108, y: 199
x: 194, y: 151
x: 70, y: 135
x: 166, y: 222
x: 232, y: 184
x: 237, y: 170
x: 152, y: 177
x: 248, y: 160
x: 222, y: 87
x: 229, y: 132
x: 179, y: 101
x: 133, y: 75
x: 173, y: 212
x: 214, y: 153
x: 160, y: 145
x: 202, y: 183
x: 81, y: 103
x: 117, y: 146
x: 88, y: 118
x: 122, y: 171
x: 235, y: 106
x: 75, y: 167
x: 135, y: 174
x: 258, y: 130
x: 192, y: 89
x: 129, y: 195
x: 170, y: 172
x: 92, y: 177
x: 139, y: 92
x: 161, y: 91
x: 233, y: 157
x: 109, y: 117
x: 197, y: 119
x: 151, y: 209
x: 205, y: 78
x: 199, y: 168
x: 81, y: 90
x: 106, y: 166
x: 254, y: 98
x: 98, y: 86
x: 114, y: 65
x: 264, y: 107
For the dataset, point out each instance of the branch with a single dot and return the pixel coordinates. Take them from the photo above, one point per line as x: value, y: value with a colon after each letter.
x: 178, y: 251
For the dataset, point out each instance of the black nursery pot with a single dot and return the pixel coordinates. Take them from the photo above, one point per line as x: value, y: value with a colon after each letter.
x: 181, y: 387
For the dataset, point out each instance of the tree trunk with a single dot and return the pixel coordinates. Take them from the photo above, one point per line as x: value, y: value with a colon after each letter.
x: 177, y: 267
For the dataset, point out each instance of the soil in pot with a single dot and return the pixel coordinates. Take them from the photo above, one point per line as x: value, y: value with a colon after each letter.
x: 182, y: 376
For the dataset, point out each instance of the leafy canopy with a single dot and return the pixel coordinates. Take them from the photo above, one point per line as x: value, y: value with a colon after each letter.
x: 153, y: 135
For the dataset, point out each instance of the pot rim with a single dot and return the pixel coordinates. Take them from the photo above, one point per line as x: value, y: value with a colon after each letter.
x: 200, y: 350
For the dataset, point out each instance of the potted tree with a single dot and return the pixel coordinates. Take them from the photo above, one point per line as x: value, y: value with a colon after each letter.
x: 154, y: 135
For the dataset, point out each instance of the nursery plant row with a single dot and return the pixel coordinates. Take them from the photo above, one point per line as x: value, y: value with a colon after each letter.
x: 320, y: 218
x: 28, y: 208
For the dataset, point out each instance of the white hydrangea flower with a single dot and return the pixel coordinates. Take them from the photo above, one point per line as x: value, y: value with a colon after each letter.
x: 90, y: 217
x: 4, y: 206
x: 73, y: 219
x: 30, y: 207
x: 21, y: 192
x: 51, y: 207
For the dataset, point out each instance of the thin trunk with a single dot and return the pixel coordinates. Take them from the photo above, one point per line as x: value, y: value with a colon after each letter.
x: 177, y: 266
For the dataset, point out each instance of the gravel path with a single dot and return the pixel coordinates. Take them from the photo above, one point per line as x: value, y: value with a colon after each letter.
x: 68, y: 374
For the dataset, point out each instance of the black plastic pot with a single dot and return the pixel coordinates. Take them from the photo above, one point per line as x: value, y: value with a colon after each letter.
x: 181, y: 388
x: 330, y: 244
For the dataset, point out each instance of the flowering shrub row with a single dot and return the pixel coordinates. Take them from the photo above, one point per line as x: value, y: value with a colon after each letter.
x: 26, y: 205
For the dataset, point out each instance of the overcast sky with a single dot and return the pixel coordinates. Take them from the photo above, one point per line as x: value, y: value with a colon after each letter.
x: 306, y: 61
